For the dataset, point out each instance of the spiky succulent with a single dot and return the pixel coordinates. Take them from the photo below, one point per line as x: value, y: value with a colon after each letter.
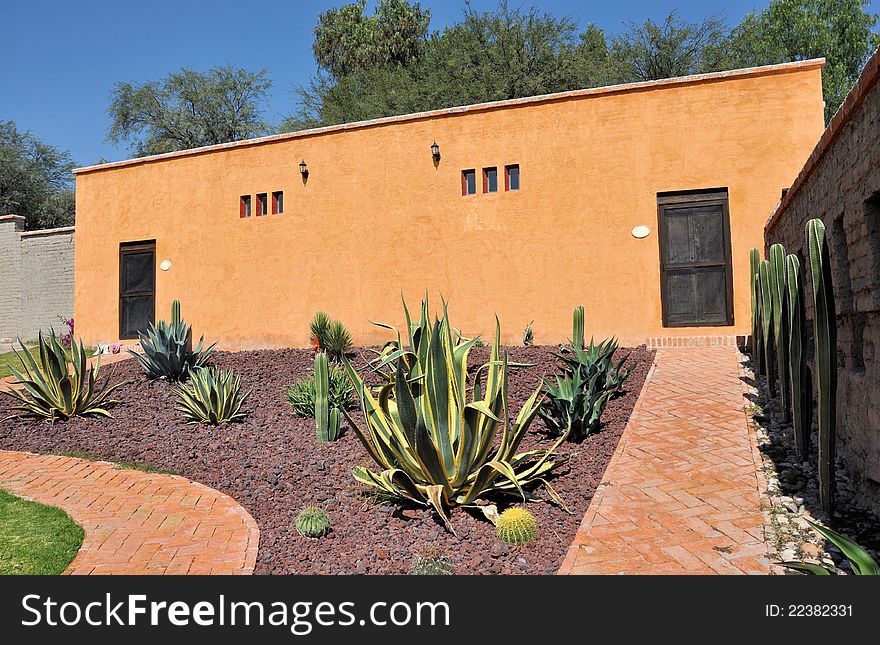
x: 435, y: 443
x: 166, y: 349
x: 516, y: 526
x: 59, y: 383
x: 301, y: 395
x: 211, y: 396
x: 596, y: 359
x: 528, y: 335
x: 431, y: 560
x: 573, y: 407
x: 312, y: 522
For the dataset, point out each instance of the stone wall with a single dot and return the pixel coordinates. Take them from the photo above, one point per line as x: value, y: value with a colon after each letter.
x: 36, y: 278
x: 841, y: 185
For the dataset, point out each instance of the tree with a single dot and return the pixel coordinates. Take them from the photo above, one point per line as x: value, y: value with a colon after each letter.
x: 188, y: 109
x: 842, y: 31
x: 347, y: 41
x: 652, y: 51
x: 488, y: 56
x: 35, y: 179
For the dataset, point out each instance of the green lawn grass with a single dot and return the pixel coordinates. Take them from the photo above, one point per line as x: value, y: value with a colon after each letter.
x: 10, y: 359
x: 35, y: 539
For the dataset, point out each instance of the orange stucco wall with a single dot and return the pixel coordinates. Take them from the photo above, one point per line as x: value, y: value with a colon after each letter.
x: 377, y: 217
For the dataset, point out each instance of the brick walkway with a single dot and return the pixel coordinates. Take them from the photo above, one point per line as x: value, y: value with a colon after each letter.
x: 681, y: 494
x: 135, y: 522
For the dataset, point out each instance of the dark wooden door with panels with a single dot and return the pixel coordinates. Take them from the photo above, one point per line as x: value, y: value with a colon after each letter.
x: 696, y: 277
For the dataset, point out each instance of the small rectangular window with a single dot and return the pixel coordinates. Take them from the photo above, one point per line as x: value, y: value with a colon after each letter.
x: 490, y: 180
x: 244, y: 209
x: 277, y: 202
x: 468, y: 182
x: 262, y: 204
x: 511, y: 177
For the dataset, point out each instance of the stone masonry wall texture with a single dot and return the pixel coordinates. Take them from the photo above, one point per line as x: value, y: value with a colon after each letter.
x: 841, y: 185
x: 36, y: 279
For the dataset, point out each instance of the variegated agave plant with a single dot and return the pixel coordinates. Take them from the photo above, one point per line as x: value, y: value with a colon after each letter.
x: 439, y: 444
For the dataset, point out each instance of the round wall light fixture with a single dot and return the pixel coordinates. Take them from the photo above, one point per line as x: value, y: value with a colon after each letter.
x: 640, y: 232
x: 165, y: 265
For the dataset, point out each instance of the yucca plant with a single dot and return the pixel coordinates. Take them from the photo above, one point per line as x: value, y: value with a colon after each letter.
x: 59, y: 383
x: 338, y: 341
x: 167, y: 351
x: 211, y: 396
x: 573, y: 407
x: 318, y: 329
x: 860, y: 561
x: 435, y: 444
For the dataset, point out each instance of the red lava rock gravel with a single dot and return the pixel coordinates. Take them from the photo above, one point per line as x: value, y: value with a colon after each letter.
x: 273, y: 465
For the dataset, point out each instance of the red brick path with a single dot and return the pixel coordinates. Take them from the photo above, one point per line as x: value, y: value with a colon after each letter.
x: 135, y: 522
x: 681, y: 494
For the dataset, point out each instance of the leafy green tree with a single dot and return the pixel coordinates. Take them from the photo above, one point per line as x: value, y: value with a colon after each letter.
x: 35, y: 179
x: 840, y: 30
x: 347, y: 41
x: 652, y: 51
x: 488, y: 56
x: 188, y: 109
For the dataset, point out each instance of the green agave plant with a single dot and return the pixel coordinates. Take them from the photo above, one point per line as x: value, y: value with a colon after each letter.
x: 59, y: 383
x: 212, y: 396
x: 596, y: 359
x: 861, y: 562
x: 573, y: 407
x: 436, y: 445
x: 167, y: 349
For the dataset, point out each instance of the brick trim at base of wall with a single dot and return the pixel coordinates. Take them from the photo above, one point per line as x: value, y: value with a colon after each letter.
x: 657, y: 342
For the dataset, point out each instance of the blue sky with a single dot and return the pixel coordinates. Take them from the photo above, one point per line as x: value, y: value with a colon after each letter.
x: 60, y: 59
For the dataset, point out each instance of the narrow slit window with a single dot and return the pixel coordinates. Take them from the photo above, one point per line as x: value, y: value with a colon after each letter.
x: 277, y: 202
x: 511, y: 177
x: 490, y: 180
x: 244, y: 208
x: 262, y: 204
x: 468, y: 182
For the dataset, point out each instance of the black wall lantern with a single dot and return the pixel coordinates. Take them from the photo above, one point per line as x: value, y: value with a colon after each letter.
x: 303, y: 168
x: 435, y: 151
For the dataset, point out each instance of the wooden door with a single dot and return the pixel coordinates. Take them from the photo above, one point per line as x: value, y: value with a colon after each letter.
x: 137, y: 287
x: 696, y: 279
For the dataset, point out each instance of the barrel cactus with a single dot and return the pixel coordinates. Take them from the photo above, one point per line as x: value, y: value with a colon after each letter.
x: 516, y: 526
x: 312, y: 522
x: 825, y: 339
x: 431, y: 560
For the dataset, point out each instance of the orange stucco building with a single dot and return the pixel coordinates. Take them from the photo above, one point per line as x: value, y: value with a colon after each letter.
x: 638, y: 201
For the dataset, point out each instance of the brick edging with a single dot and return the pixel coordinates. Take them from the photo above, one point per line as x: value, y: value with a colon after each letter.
x: 571, y: 555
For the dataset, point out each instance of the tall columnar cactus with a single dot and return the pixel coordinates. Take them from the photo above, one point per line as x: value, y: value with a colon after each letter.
x: 175, y: 312
x: 767, y: 324
x: 825, y: 338
x: 780, y: 325
x: 801, y: 382
x: 326, y: 419
x: 757, y: 345
x: 577, y: 326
